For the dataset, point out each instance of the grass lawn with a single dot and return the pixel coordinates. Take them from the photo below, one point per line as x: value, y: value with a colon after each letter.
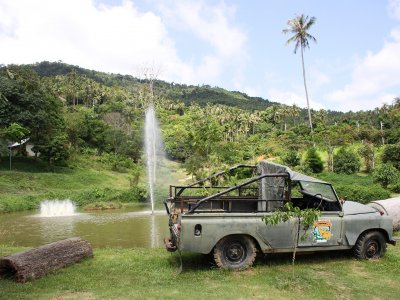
x: 153, y: 274
x: 29, y: 182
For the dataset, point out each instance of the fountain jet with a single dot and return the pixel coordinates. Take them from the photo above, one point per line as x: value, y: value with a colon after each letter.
x: 154, y: 151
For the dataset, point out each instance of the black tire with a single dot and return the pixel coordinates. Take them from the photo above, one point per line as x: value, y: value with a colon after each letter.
x: 370, y: 245
x: 235, y: 252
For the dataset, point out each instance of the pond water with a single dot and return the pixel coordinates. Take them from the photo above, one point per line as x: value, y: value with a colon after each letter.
x: 112, y: 228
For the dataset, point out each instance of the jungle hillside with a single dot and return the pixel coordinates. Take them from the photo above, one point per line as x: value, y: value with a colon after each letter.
x: 85, y: 127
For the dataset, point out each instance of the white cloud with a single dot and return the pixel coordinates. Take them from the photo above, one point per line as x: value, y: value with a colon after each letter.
x: 251, y: 91
x: 394, y: 9
x: 373, y: 78
x: 116, y: 38
x: 113, y: 39
x: 211, y: 24
x: 292, y: 97
x: 318, y: 78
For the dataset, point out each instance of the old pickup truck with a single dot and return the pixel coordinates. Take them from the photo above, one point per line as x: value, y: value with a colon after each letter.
x: 228, y: 221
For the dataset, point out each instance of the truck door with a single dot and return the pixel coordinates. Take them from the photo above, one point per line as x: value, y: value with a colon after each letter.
x: 279, y: 236
x: 327, y: 231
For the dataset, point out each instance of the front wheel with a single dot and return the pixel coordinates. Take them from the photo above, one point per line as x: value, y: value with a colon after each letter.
x: 370, y: 245
x: 235, y: 252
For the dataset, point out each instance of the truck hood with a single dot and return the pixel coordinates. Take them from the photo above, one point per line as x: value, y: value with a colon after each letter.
x: 354, y: 208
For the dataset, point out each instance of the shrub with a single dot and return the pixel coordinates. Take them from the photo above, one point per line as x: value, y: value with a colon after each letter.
x: 361, y: 193
x: 385, y: 174
x: 313, y: 161
x: 395, y: 187
x: 391, y: 154
x: 367, y: 151
x: 134, y: 194
x: 346, y: 161
x: 292, y: 159
x: 102, y: 206
x: 56, y: 151
x: 117, y: 163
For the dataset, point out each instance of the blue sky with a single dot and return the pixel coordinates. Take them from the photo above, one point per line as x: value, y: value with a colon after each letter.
x: 237, y: 44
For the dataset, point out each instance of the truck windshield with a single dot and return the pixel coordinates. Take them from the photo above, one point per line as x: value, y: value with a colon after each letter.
x: 324, y: 189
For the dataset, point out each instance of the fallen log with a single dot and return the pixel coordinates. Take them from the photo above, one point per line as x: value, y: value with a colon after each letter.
x: 37, y: 262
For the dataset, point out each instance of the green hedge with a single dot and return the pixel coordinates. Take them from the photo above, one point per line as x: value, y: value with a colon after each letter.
x: 19, y: 203
x: 361, y: 193
x: 14, y: 203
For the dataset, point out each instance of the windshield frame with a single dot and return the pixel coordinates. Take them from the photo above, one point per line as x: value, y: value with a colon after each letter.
x: 328, y: 195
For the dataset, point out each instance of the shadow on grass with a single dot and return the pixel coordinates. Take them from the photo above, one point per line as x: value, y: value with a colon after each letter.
x: 305, y: 257
x: 192, y: 262
x: 197, y: 262
x: 30, y: 165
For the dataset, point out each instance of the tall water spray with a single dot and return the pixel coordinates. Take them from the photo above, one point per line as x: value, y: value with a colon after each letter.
x: 153, y: 147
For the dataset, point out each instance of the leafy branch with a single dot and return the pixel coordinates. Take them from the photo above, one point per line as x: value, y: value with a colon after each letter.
x: 305, y: 217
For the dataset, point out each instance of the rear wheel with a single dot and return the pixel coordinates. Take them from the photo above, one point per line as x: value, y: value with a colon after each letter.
x: 235, y: 252
x: 370, y: 245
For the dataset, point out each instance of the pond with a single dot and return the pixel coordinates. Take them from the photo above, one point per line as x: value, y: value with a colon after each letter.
x: 126, y: 228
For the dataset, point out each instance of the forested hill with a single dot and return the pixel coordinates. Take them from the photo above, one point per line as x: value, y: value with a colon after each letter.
x: 189, y: 94
x: 178, y: 92
x: 65, y: 109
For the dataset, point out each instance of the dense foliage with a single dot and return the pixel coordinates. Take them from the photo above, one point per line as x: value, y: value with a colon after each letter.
x: 386, y: 174
x: 66, y: 111
x: 391, y: 154
x: 346, y: 161
x: 313, y: 161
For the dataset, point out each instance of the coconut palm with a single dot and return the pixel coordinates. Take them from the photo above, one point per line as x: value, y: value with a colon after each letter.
x: 294, y: 112
x: 299, y: 27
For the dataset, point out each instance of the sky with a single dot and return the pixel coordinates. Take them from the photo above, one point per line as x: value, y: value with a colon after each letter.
x: 237, y: 44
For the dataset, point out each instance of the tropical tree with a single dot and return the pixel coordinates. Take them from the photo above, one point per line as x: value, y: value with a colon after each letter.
x: 347, y: 161
x: 385, y: 174
x: 313, y: 161
x: 299, y: 27
x: 294, y: 112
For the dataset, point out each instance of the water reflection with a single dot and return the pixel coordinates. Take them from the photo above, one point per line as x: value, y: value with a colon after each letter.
x: 127, y: 229
x: 55, y: 228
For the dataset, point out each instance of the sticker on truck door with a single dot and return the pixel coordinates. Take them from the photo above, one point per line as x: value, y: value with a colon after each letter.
x: 322, y: 231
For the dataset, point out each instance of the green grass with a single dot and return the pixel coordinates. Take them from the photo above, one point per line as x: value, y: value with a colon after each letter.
x: 153, y: 274
x: 30, y: 182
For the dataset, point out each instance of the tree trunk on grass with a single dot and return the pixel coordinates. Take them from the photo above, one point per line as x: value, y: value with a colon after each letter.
x: 37, y: 262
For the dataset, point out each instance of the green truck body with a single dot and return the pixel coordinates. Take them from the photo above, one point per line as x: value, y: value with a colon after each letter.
x: 229, y: 223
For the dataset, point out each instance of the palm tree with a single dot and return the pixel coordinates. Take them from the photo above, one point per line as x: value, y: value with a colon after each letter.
x: 294, y: 112
x: 299, y: 27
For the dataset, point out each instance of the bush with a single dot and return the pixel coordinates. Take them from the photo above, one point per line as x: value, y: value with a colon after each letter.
x: 367, y: 151
x: 134, y: 194
x: 291, y: 159
x: 117, y: 163
x: 395, y: 187
x: 102, y: 206
x: 361, y: 193
x: 346, y: 162
x: 12, y: 203
x: 56, y: 151
x: 313, y: 161
x: 385, y: 174
x: 391, y: 154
